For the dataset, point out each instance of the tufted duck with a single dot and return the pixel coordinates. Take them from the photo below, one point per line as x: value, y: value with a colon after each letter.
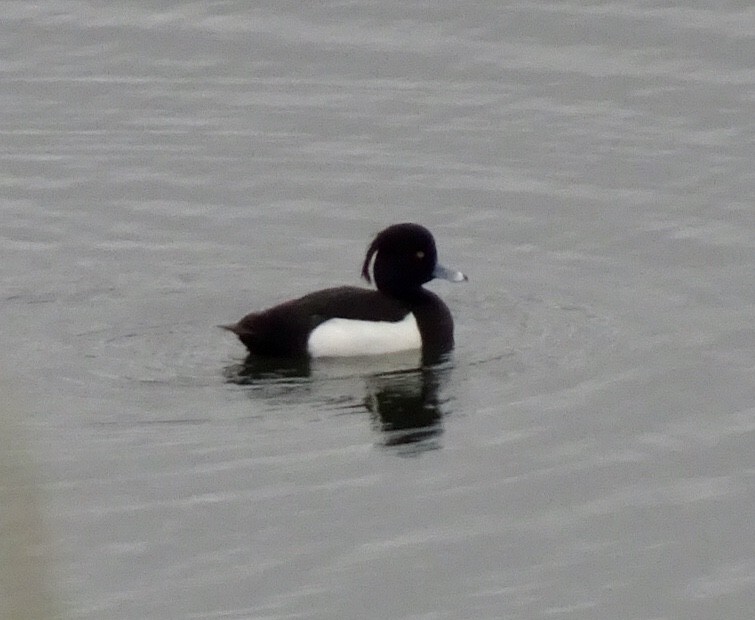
x: 347, y: 321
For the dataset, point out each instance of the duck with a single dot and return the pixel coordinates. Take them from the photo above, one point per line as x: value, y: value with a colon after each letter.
x: 399, y: 314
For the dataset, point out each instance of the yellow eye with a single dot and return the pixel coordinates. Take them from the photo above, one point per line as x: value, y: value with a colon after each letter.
x: 420, y: 254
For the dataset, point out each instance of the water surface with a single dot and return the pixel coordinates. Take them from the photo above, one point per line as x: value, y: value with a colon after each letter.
x: 587, y: 453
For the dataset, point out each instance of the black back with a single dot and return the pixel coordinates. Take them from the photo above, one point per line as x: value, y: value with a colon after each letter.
x: 283, y: 330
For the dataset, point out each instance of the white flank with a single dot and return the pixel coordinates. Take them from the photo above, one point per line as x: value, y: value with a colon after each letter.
x: 349, y: 337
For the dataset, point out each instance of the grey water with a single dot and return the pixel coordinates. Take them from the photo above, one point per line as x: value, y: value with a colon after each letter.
x: 588, y: 451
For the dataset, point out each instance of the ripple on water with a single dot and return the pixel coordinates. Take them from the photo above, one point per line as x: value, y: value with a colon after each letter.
x: 533, y: 336
x: 176, y: 354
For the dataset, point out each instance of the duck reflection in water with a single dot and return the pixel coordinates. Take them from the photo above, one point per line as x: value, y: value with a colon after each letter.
x: 257, y: 369
x: 405, y: 405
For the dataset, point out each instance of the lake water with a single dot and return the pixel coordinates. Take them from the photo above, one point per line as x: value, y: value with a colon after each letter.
x: 588, y: 453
